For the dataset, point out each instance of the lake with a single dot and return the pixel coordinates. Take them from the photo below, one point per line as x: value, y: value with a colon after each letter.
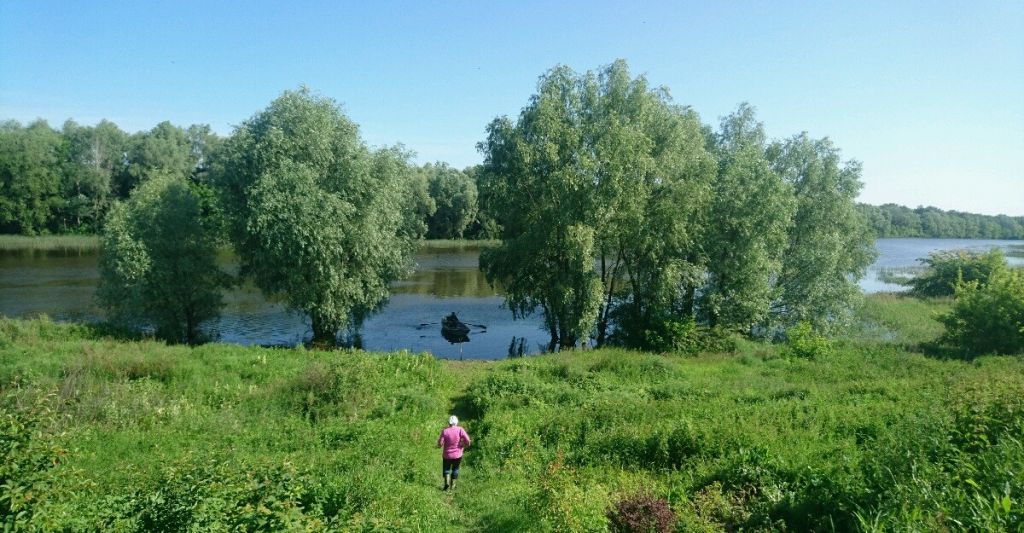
x: 447, y: 279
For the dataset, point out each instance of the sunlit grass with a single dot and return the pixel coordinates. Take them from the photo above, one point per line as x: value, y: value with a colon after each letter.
x: 159, y: 437
x: 454, y: 245
x: 49, y: 243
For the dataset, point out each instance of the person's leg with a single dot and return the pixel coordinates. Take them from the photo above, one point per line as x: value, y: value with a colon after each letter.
x: 446, y: 467
x: 455, y: 472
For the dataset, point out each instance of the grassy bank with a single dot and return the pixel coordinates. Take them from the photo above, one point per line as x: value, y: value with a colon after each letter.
x: 133, y: 436
x: 82, y: 243
x: 49, y: 243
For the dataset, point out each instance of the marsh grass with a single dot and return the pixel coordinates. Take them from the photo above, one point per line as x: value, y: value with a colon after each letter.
x: 119, y: 435
x: 454, y: 245
x: 49, y: 243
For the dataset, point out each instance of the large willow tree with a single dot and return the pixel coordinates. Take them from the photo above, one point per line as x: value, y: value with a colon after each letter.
x: 317, y: 218
x: 600, y: 187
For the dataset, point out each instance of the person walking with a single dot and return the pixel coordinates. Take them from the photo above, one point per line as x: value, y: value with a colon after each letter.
x: 452, y: 441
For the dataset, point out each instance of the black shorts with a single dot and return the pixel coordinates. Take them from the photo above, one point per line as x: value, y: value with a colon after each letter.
x: 452, y: 466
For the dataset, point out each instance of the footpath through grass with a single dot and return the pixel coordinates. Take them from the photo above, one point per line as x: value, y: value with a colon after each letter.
x: 101, y: 434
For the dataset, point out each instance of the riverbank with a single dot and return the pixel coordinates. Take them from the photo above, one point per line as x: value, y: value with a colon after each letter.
x: 120, y: 435
x: 49, y: 243
x: 82, y: 243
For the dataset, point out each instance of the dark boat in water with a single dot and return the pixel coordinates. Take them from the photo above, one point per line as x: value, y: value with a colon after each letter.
x: 454, y: 330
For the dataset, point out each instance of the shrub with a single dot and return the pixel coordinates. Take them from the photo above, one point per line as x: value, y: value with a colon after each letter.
x: 28, y: 451
x: 678, y: 335
x: 642, y: 513
x: 948, y: 267
x: 803, y: 342
x: 562, y: 503
x: 988, y: 318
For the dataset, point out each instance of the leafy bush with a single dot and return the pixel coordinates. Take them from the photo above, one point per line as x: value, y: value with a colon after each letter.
x: 562, y: 503
x: 674, y: 334
x: 642, y: 513
x: 28, y: 450
x: 988, y: 318
x: 803, y: 342
x: 948, y: 267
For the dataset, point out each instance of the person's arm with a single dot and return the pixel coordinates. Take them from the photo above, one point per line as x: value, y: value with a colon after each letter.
x: 465, y: 438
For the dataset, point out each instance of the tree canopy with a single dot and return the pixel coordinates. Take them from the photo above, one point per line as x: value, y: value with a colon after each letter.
x: 158, y: 263
x: 600, y: 176
x: 317, y: 218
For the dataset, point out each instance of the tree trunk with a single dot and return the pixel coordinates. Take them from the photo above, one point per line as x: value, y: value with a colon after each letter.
x: 323, y: 335
x: 688, y: 301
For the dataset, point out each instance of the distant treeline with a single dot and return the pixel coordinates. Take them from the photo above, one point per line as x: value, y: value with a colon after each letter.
x: 65, y: 181
x: 891, y: 220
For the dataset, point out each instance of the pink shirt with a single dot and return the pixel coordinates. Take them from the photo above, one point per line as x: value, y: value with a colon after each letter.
x: 453, y: 439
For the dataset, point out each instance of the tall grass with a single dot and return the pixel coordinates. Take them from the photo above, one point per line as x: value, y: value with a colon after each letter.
x: 49, y: 243
x: 452, y: 245
x: 135, y: 436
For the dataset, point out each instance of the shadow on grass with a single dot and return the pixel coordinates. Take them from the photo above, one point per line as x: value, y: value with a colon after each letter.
x: 939, y: 350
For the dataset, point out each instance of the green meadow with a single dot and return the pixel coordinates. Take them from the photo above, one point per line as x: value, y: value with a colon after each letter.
x: 872, y: 433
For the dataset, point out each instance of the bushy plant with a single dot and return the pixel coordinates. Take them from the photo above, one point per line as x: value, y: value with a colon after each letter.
x: 988, y: 317
x: 28, y: 451
x: 562, y: 503
x: 158, y: 267
x: 644, y: 513
x: 804, y: 343
x: 946, y: 268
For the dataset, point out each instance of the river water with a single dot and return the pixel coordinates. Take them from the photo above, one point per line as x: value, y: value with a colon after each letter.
x: 447, y: 279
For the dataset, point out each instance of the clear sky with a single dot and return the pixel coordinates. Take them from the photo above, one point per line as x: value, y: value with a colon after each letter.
x: 928, y: 95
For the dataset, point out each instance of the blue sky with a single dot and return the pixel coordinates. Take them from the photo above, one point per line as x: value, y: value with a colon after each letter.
x: 928, y: 95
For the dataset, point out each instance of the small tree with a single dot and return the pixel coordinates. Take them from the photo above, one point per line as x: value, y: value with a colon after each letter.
x: 158, y: 264
x: 948, y: 267
x: 988, y: 317
x: 830, y: 243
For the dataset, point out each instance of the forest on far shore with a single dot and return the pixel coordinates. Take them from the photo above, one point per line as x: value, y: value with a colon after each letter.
x: 61, y: 181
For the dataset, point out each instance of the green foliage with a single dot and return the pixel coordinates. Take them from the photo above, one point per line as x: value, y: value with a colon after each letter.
x: 751, y: 211
x: 988, y: 317
x: 454, y: 194
x: 803, y: 342
x: 891, y: 220
x: 946, y: 268
x: 94, y: 156
x: 317, y: 218
x: 29, y: 450
x: 164, y: 150
x: 903, y: 319
x: 30, y: 177
x: 599, y: 169
x: 830, y: 244
x: 563, y: 504
x: 65, y: 181
x: 220, y: 437
x: 158, y: 264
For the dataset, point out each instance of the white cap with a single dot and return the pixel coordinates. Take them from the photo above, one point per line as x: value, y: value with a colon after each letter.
x: 453, y: 420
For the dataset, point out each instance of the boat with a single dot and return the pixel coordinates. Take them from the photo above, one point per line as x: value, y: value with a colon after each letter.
x: 453, y: 330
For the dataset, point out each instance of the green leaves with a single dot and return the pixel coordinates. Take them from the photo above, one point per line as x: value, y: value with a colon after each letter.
x: 988, y: 317
x: 597, y: 166
x: 316, y: 217
x: 158, y: 263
